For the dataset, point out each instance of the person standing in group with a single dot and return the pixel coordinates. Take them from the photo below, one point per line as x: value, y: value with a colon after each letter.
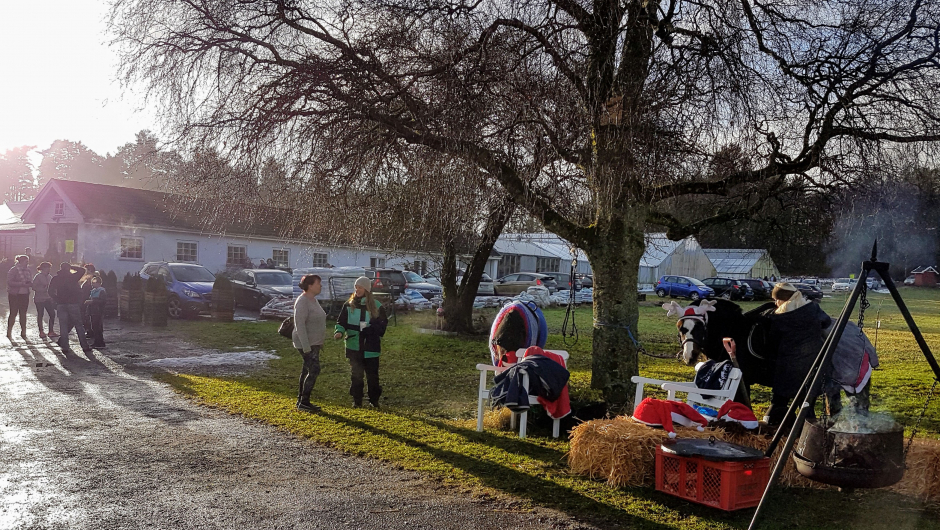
x: 86, y: 295
x: 309, y: 334
x: 19, y: 281
x: 362, y: 322
x: 95, y: 310
x: 43, y: 301
x: 64, y: 288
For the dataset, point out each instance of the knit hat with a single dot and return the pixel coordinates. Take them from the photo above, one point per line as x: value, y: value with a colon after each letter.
x: 659, y: 413
x: 736, y: 412
x: 365, y: 283
x: 783, y: 291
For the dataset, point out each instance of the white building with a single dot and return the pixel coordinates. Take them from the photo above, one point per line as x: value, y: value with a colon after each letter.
x: 120, y: 229
x: 742, y: 263
x: 664, y: 256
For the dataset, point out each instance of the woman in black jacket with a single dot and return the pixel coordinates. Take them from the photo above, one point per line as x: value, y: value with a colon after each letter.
x: 796, y: 332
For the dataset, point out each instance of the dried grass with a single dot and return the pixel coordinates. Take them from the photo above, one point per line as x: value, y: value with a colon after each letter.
x: 623, y: 452
x: 922, y: 477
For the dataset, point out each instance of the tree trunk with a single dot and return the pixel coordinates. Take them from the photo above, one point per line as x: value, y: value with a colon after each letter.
x: 458, y: 299
x: 615, y: 260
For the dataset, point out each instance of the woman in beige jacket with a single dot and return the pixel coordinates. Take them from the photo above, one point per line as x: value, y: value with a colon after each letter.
x: 309, y: 332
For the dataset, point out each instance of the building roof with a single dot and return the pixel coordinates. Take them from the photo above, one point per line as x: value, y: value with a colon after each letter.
x: 11, y: 216
x: 117, y: 205
x: 658, y: 248
x: 927, y: 268
x: 529, y: 245
x: 734, y: 260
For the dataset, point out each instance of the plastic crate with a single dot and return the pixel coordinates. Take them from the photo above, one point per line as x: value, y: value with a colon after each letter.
x: 724, y: 485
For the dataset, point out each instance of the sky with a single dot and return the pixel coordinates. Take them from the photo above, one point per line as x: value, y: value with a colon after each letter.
x: 57, y: 78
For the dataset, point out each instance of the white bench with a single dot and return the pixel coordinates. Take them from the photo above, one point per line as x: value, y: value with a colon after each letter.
x: 694, y: 394
x: 484, y: 394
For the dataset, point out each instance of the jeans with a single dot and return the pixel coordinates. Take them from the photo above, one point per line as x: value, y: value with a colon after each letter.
x: 97, y: 327
x: 70, y: 316
x: 309, y: 373
x: 370, y: 367
x: 47, y: 306
x: 19, y: 303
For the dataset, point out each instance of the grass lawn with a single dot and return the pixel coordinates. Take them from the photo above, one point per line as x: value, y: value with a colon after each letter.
x: 428, y: 422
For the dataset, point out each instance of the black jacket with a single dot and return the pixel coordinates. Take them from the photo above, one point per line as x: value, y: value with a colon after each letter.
x: 64, y: 287
x: 797, y: 337
x: 547, y: 378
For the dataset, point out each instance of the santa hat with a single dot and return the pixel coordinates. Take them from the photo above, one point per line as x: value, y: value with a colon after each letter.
x: 697, y: 312
x: 659, y: 413
x: 734, y: 411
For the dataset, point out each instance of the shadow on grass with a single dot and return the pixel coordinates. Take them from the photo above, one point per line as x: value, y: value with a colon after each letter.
x: 502, y: 478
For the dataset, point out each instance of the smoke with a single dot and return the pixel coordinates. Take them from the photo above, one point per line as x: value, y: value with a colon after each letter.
x: 851, y: 420
x: 898, y: 216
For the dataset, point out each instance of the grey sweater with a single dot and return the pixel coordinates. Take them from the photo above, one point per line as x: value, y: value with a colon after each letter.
x: 309, y: 323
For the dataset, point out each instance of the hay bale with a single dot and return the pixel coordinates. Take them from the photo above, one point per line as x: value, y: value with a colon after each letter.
x: 623, y: 452
x: 922, y: 477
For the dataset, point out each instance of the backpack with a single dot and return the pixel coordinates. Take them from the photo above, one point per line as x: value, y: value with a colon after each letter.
x: 286, y: 329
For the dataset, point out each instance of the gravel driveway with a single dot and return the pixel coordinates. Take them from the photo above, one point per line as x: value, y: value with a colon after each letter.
x: 92, y: 442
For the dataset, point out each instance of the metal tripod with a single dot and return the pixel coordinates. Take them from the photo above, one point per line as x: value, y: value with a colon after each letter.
x: 812, y: 384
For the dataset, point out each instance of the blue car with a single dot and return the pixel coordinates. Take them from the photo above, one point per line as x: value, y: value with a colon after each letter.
x: 682, y: 286
x: 188, y: 285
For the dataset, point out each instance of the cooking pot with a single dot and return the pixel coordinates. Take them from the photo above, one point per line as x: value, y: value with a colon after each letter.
x: 850, y: 459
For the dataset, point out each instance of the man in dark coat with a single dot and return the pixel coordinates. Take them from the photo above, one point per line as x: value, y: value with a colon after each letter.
x: 64, y: 288
x: 796, y: 333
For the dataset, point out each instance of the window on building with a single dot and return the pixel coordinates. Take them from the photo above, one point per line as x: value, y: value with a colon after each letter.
x: 321, y: 259
x: 377, y: 263
x: 132, y: 248
x: 281, y: 257
x: 236, y: 255
x: 186, y: 251
x: 421, y: 267
x: 508, y: 264
x: 59, y: 210
x: 547, y: 264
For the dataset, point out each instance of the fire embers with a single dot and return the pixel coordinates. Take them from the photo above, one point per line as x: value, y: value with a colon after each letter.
x: 858, y: 450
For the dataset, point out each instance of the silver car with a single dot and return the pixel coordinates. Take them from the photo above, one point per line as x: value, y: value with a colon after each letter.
x: 484, y: 289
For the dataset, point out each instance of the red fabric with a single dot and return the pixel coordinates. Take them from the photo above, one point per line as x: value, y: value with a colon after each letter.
x: 737, y: 411
x: 655, y: 412
x: 684, y: 409
x: 561, y: 407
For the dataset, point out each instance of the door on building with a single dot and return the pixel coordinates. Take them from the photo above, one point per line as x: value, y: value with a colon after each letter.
x: 63, y: 243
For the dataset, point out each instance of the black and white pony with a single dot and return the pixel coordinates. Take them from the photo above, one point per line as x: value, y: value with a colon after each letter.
x: 704, y: 324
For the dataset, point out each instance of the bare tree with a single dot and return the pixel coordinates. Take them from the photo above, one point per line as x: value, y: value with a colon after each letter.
x: 596, y: 117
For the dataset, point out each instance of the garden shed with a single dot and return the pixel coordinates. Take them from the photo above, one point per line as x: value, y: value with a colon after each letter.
x: 742, y: 263
x: 925, y: 276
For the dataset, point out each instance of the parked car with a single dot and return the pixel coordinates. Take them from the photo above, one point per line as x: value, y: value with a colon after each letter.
x: 390, y: 281
x: 587, y: 280
x: 730, y: 288
x: 762, y: 288
x: 563, y: 279
x: 189, y: 286
x: 810, y: 281
x: 842, y: 284
x: 427, y: 289
x: 810, y: 292
x: 486, y: 287
x: 255, y: 287
x: 513, y: 284
x: 683, y: 286
x: 909, y: 280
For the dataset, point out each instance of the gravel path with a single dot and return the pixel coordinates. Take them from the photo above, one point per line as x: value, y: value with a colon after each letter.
x: 88, y: 442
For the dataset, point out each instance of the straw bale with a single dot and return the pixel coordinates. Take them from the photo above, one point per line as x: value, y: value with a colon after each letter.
x: 922, y: 477
x: 623, y: 452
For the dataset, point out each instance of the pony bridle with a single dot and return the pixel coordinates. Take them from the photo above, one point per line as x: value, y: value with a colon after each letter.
x: 688, y: 336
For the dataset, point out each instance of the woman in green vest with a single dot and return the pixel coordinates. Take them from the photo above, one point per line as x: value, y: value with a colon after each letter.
x: 362, y: 322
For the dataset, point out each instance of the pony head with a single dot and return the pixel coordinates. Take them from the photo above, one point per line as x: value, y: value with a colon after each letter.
x: 692, y: 327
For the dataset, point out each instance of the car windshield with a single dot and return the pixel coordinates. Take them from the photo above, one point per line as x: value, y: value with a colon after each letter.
x: 486, y: 278
x: 192, y: 273
x: 697, y: 282
x: 413, y: 277
x: 843, y: 280
x: 273, y: 278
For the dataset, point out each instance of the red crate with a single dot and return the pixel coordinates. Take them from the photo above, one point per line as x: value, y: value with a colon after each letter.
x: 725, y: 485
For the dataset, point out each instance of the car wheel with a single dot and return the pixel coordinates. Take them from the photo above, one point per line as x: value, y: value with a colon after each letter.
x: 174, y: 307
x: 726, y: 295
x: 661, y: 293
x: 693, y: 296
